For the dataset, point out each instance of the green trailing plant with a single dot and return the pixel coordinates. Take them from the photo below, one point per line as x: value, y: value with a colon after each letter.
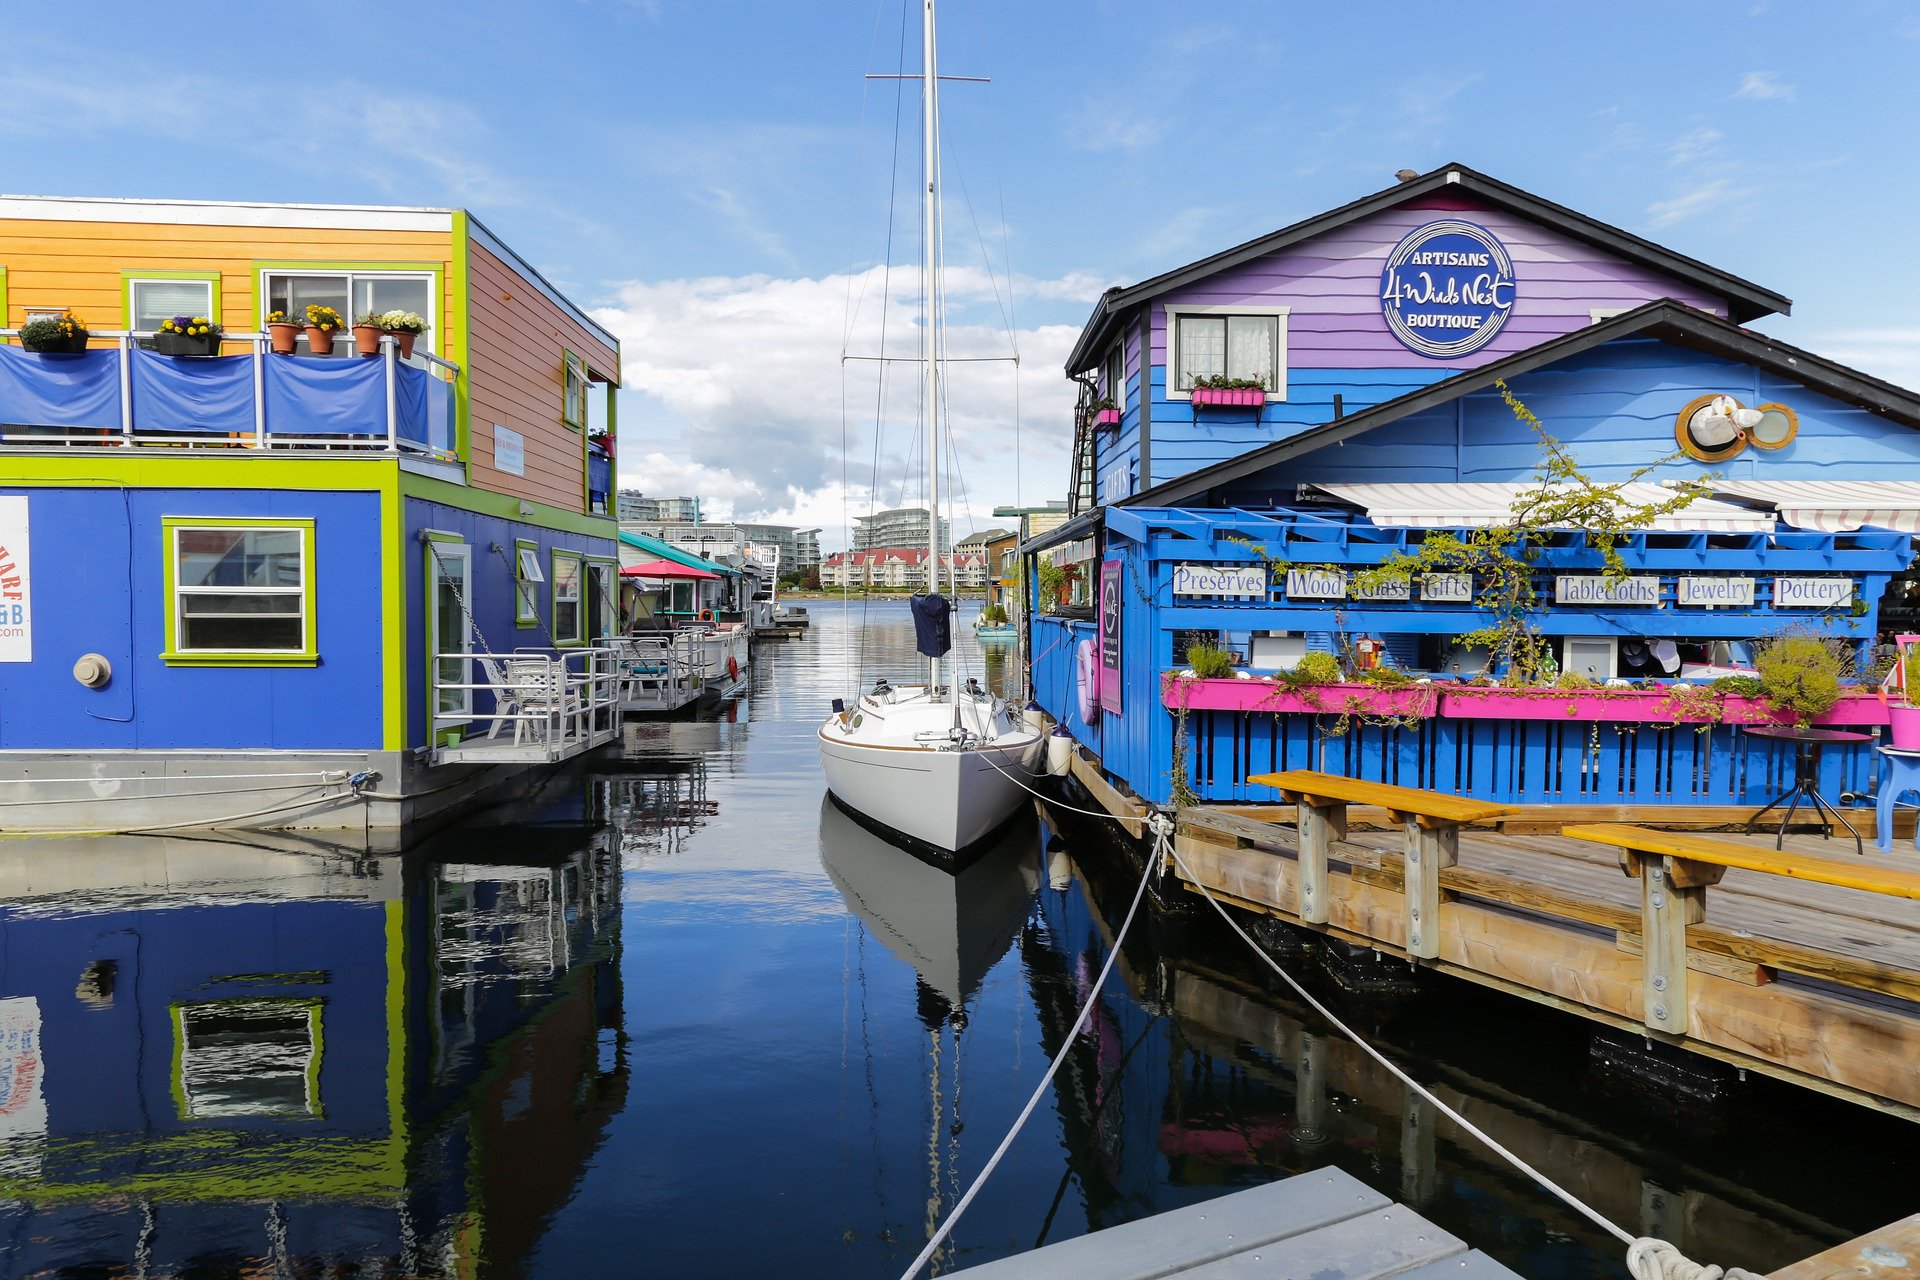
x: 1384, y: 677
x: 1052, y: 580
x: 1177, y: 688
x: 1208, y: 663
x: 1738, y: 686
x: 1504, y: 558
x: 1799, y: 674
x: 1314, y: 669
x: 1575, y: 680
x: 1221, y: 382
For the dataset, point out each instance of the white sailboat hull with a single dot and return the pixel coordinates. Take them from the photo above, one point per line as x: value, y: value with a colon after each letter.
x: 931, y: 791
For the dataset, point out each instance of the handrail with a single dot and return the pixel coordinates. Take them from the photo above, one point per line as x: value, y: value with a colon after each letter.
x: 123, y: 339
x: 585, y: 702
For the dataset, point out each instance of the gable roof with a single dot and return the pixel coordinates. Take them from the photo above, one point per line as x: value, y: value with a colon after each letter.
x: 1667, y: 320
x: 1745, y: 300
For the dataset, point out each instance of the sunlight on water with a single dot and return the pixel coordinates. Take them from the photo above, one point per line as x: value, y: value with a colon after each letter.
x: 678, y: 1015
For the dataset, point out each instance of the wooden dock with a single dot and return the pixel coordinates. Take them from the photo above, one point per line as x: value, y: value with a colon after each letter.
x: 1817, y: 984
x: 1327, y: 1225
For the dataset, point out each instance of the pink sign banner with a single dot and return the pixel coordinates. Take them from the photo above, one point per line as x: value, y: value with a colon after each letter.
x: 1111, y: 577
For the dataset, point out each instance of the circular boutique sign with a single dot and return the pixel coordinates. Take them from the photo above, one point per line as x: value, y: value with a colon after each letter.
x: 1447, y: 288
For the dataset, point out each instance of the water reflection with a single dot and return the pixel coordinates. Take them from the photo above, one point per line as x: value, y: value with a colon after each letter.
x: 220, y: 1057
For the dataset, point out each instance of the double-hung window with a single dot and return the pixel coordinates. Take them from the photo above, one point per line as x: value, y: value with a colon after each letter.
x: 353, y: 293
x: 1238, y: 343
x: 239, y: 592
x: 154, y: 300
x: 569, y: 618
x: 1116, y: 376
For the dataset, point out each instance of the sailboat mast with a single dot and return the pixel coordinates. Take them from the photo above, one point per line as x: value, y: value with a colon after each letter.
x: 930, y: 318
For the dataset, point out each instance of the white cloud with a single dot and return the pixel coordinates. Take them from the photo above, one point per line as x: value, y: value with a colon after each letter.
x: 1891, y: 352
x: 1765, y: 86
x: 740, y: 386
x: 1702, y: 142
x: 1706, y: 195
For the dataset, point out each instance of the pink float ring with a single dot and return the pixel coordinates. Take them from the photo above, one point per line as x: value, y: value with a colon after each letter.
x: 1086, y: 661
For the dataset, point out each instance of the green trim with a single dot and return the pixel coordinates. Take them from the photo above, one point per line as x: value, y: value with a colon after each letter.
x: 580, y: 602
x: 526, y: 609
x: 393, y: 610
x: 5, y: 315
x: 568, y: 363
x: 316, y: 1035
x: 611, y: 600
x: 172, y: 655
x: 212, y: 279
x: 505, y: 506
x: 460, y: 342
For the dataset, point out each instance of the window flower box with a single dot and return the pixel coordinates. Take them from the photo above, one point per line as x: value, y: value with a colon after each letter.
x: 1641, y: 706
x: 1226, y: 397
x: 1106, y: 420
x: 1323, y: 700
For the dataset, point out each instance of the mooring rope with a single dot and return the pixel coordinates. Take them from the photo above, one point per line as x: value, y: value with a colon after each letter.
x: 1648, y: 1258
x: 1066, y: 1046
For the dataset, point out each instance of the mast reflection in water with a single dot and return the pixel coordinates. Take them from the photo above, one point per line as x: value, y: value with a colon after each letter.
x: 218, y: 1057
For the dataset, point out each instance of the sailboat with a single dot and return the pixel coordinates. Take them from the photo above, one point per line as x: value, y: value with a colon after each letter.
x: 942, y: 766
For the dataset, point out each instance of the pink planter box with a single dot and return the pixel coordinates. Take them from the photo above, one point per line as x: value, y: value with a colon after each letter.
x: 1620, y: 706
x: 1106, y: 419
x: 1222, y: 396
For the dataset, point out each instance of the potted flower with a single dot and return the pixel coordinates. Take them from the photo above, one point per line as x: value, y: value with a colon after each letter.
x: 282, y: 332
x: 187, y: 336
x: 1106, y: 414
x: 1903, y: 716
x: 367, y: 334
x: 405, y: 326
x: 1222, y: 390
x: 64, y: 334
x: 599, y: 437
x: 322, y: 324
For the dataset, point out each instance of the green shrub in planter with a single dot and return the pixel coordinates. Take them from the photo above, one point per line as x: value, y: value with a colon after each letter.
x: 64, y: 334
x: 1800, y: 675
x: 1210, y: 663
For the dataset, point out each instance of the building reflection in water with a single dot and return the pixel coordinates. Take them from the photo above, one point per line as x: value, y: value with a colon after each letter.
x: 1198, y: 1077
x: 224, y: 1058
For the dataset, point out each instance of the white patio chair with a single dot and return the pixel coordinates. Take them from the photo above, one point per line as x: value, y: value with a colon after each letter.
x: 546, y: 698
x: 506, y: 703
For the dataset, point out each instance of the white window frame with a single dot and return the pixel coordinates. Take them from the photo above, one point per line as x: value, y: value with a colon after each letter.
x: 1276, y: 392
x: 425, y: 343
x: 206, y: 309
x: 181, y: 592
x: 578, y: 599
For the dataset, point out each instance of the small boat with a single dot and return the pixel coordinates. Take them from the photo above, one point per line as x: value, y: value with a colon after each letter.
x: 999, y: 629
x: 939, y: 766
x: 720, y: 656
x: 792, y: 616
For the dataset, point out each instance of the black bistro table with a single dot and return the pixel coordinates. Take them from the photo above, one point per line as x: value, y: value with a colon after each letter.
x: 1806, y: 776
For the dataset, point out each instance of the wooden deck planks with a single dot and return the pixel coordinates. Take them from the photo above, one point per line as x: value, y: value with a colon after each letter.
x: 1891, y: 1253
x: 1325, y: 1224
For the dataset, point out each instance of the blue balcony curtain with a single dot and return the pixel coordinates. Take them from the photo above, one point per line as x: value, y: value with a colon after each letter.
x: 78, y: 391
x: 189, y: 397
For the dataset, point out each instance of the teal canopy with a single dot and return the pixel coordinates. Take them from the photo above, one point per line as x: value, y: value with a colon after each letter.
x: 667, y: 551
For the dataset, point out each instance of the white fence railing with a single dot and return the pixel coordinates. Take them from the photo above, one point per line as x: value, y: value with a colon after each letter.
x: 564, y: 700
x: 380, y: 434
x: 657, y: 671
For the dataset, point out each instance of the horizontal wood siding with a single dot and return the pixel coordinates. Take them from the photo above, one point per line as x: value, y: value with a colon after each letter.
x: 1337, y: 343
x: 80, y: 264
x: 1614, y: 408
x: 517, y: 380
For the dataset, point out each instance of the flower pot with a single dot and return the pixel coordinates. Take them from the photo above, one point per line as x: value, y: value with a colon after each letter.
x: 187, y: 344
x: 1106, y: 419
x: 1225, y: 396
x: 1903, y: 731
x: 59, y: 346
x: 283, y: 338
x: 406, y: 341
x: 366, y: 339
x: 319, y: 340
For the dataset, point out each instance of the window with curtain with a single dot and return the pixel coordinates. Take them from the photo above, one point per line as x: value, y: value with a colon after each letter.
x: 1240, y: 347
x: 154, y: 302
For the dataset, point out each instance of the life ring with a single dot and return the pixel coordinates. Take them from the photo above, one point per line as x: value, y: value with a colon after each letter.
x: 1086, y: 661
x: 706, y: 615
x: 733, y: 667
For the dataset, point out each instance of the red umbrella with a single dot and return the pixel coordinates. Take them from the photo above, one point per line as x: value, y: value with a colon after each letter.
x: 665, y: 569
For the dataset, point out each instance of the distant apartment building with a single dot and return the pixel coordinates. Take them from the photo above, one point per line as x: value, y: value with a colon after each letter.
x: 976, y: 543
x: 901, y: 567
x: 634, y: 507
x: 902, y: 527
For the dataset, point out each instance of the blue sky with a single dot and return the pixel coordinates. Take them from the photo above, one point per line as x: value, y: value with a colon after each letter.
x: 705, y: 173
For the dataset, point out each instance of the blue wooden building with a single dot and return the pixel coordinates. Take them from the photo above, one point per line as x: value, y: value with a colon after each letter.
x: 1257, y: 429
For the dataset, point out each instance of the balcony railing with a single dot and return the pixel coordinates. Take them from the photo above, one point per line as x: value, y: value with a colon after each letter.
x: 547, y: 705
x: 124, y: 396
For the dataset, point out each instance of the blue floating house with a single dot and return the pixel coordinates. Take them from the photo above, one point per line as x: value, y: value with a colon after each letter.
x: 1260, y: 428
x: 260, y: 565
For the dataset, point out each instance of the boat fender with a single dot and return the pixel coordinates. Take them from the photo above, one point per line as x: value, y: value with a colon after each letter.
x: 1086, y: 661
x: 733, y: 667
x: 1059, y: 752
x: 1036, y: 718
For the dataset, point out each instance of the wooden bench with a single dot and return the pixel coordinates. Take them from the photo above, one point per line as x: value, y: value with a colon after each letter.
x: 1676, y: 867
x: 1432, y: 824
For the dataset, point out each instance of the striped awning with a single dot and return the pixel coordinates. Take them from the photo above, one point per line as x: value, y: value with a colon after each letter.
x: 1834, y: 506
x: 1480, y: 505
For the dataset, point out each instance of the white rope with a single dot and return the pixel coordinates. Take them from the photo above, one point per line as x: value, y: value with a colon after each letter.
x: 1066, y: 1046
x: 196, y: 823
x: 1651, y: 1259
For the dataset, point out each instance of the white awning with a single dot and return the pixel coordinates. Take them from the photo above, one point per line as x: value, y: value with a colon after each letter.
x: 1835, y: 506
x: 1449, y: 505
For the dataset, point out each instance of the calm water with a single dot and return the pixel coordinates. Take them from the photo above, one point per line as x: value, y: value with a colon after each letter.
x: 676, y: 1017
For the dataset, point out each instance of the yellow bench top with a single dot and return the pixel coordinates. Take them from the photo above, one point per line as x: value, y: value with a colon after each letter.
x: 1429, y: 805
x: 1696, y: 847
